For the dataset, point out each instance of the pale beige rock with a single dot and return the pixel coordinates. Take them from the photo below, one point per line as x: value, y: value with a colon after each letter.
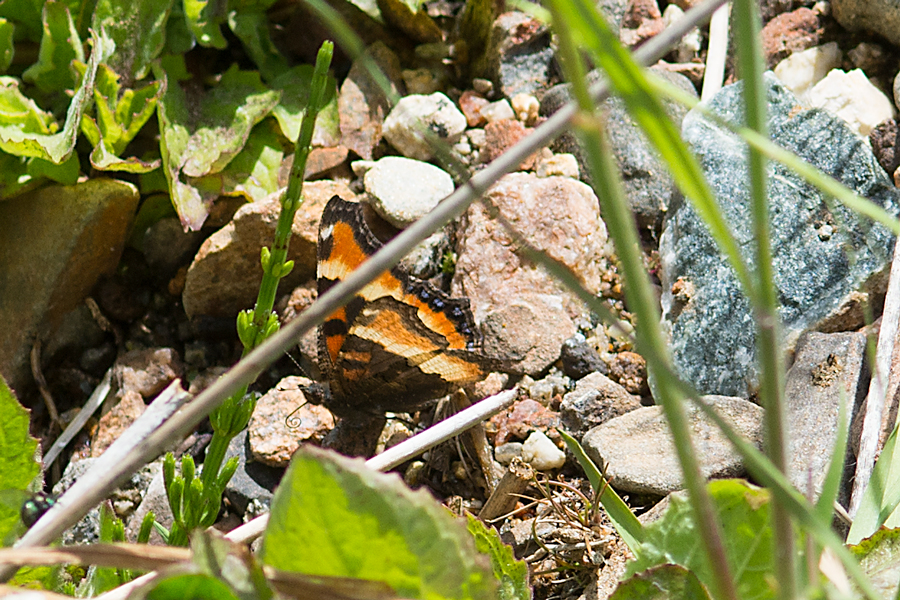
x: 527, y: 314
x: 639, y: 455
x: 55, y: 244
x: 148, y: 371
x: 225, y: 275
x: 275, y: 433
x: 114, y: 423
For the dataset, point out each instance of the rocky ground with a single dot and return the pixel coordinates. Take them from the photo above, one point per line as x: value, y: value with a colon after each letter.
x: 168, y: 312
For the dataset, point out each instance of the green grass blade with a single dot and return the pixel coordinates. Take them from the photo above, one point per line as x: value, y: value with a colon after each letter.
x: 629, y: 82
x: 623, y: 519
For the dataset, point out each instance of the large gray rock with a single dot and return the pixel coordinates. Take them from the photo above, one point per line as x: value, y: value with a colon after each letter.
x: 639, y: 454
x: 829, y: 369
x: 827, y: 260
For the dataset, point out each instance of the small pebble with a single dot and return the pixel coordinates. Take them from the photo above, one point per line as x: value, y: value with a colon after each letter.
x: 505, y: 453
x: 497, y: 111
x: 541, y: 453
x: 526, y: 108
x: 436, y: 113
x: 802, y: 70
x: 852, y: 97
x: 483, y: 86
x: 420, y: 81
x: 565, y: 165
x: 361, y: 167
x: 403, y: 189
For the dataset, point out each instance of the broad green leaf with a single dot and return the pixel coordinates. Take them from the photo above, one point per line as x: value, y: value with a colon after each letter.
x: 19, y: 111
x: 511, y: 573
x: 14, y: 177
x: 203, y: 140
x: 60, y: 45
x: 138, y: 28
x: 334, y: 516
x: 204, y: 19
x: 879, y: 557
x: 880, y: 500
x: 179, y: 38
x: 743, y: 512
x: 662, y: 583
x: 56, y: 147
x: 120, y: 116
x: 194, y: 586
x: 26, y: 14
x: 20, y: 471
x: 7, y: 29
x: 252, y: 28
x: 294, y: 86
x: 623, y: 519
x: 253, y: 173
x: 65, y: 173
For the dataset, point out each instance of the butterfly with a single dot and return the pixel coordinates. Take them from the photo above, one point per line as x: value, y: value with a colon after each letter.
x: 400, y: 342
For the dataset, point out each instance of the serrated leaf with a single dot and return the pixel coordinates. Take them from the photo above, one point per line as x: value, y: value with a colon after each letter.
x: 334, y: 516
x: 19, y: 470
x: 138, y: 28
x: 662, y: 583
x: 879, y: 557
x: 17, y: 136
x: 294, y: 86
x: 120, y: 116
x: 743, y: 512
x: 204, y: 19
x: 203, y: 140
x: 60, y: 45
x: 511, y: 573
x: 7, y: 29
x: 17, y: 110
x: 253, y: 173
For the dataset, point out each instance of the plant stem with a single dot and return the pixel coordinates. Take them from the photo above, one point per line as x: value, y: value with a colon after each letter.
x: 274, y: 268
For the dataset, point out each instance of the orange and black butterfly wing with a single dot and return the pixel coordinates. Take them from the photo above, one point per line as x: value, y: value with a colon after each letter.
x: 400, y: 341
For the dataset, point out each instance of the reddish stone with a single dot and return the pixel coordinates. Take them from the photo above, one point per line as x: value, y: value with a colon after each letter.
x: 520, y: 420
x: 471, y: 103
x: 630, y: 371
x: 789, y: 33
x: 501, y: 135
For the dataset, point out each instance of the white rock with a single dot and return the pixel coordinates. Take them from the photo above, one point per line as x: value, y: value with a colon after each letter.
x: 497, y: 111
x: 560, y: 164
x: 690, y: 44
x: 541, y: 453
x: 526, y: 108
x: 414, y: 114
x: 853, y: 98
x: 802, y: 70
x: 402, y: 189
